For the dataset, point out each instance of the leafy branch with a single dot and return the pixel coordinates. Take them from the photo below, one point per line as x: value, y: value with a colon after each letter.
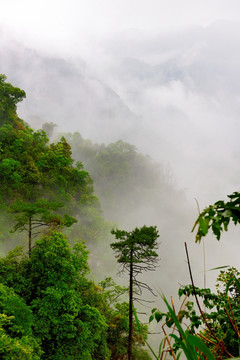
x: 218, y: 216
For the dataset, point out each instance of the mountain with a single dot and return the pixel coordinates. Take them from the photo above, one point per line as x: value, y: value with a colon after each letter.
x: 64, y: 93
x: 175, y: 96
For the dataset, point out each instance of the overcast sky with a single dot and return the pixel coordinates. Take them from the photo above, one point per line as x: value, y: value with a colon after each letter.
x: 67, y: 24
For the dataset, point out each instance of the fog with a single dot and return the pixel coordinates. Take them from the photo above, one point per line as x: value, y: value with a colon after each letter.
x: 175, y: 96
x: 163, y: 78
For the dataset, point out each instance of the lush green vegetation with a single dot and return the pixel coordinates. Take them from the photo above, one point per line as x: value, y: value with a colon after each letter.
x: 49, y: 307
x: 212, y: 321
x: 39, y: 181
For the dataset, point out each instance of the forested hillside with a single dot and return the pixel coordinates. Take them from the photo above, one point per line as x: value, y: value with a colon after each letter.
x: 55, y: 232
x: 44, y: 281
x: 39, y: 181
x: 126, y: 181
x: 45, y: 191
x: 119, y: 146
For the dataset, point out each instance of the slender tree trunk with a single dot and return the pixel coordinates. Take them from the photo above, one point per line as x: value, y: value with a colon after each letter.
x: 130, y: 308
x: 30, y: 236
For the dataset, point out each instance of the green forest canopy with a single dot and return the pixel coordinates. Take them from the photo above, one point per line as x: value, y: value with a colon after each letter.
x: 41, y: 188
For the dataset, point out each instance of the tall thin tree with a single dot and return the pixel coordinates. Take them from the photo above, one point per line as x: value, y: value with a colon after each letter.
x: 136, y: 251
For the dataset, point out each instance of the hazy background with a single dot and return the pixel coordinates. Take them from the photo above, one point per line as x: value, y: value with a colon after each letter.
x: 162, y: 76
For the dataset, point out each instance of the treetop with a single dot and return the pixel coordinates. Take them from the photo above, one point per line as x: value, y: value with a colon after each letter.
x: 141, y: 242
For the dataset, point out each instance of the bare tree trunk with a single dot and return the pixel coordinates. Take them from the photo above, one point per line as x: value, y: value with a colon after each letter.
x: 30, y: 236
x: 130, y: 307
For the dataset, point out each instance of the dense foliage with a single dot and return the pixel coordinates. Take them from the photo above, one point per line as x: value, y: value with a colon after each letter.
x: 67, y: 316
x: 39, y: 181
x: 51, y: 283
x: 49, y: 309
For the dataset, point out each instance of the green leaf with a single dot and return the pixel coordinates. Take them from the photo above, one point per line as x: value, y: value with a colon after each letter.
x: 195, y: 341
x: 158, y: 316
x: 151, y: 318
x: 219, y: 267
x: 204, y: 225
